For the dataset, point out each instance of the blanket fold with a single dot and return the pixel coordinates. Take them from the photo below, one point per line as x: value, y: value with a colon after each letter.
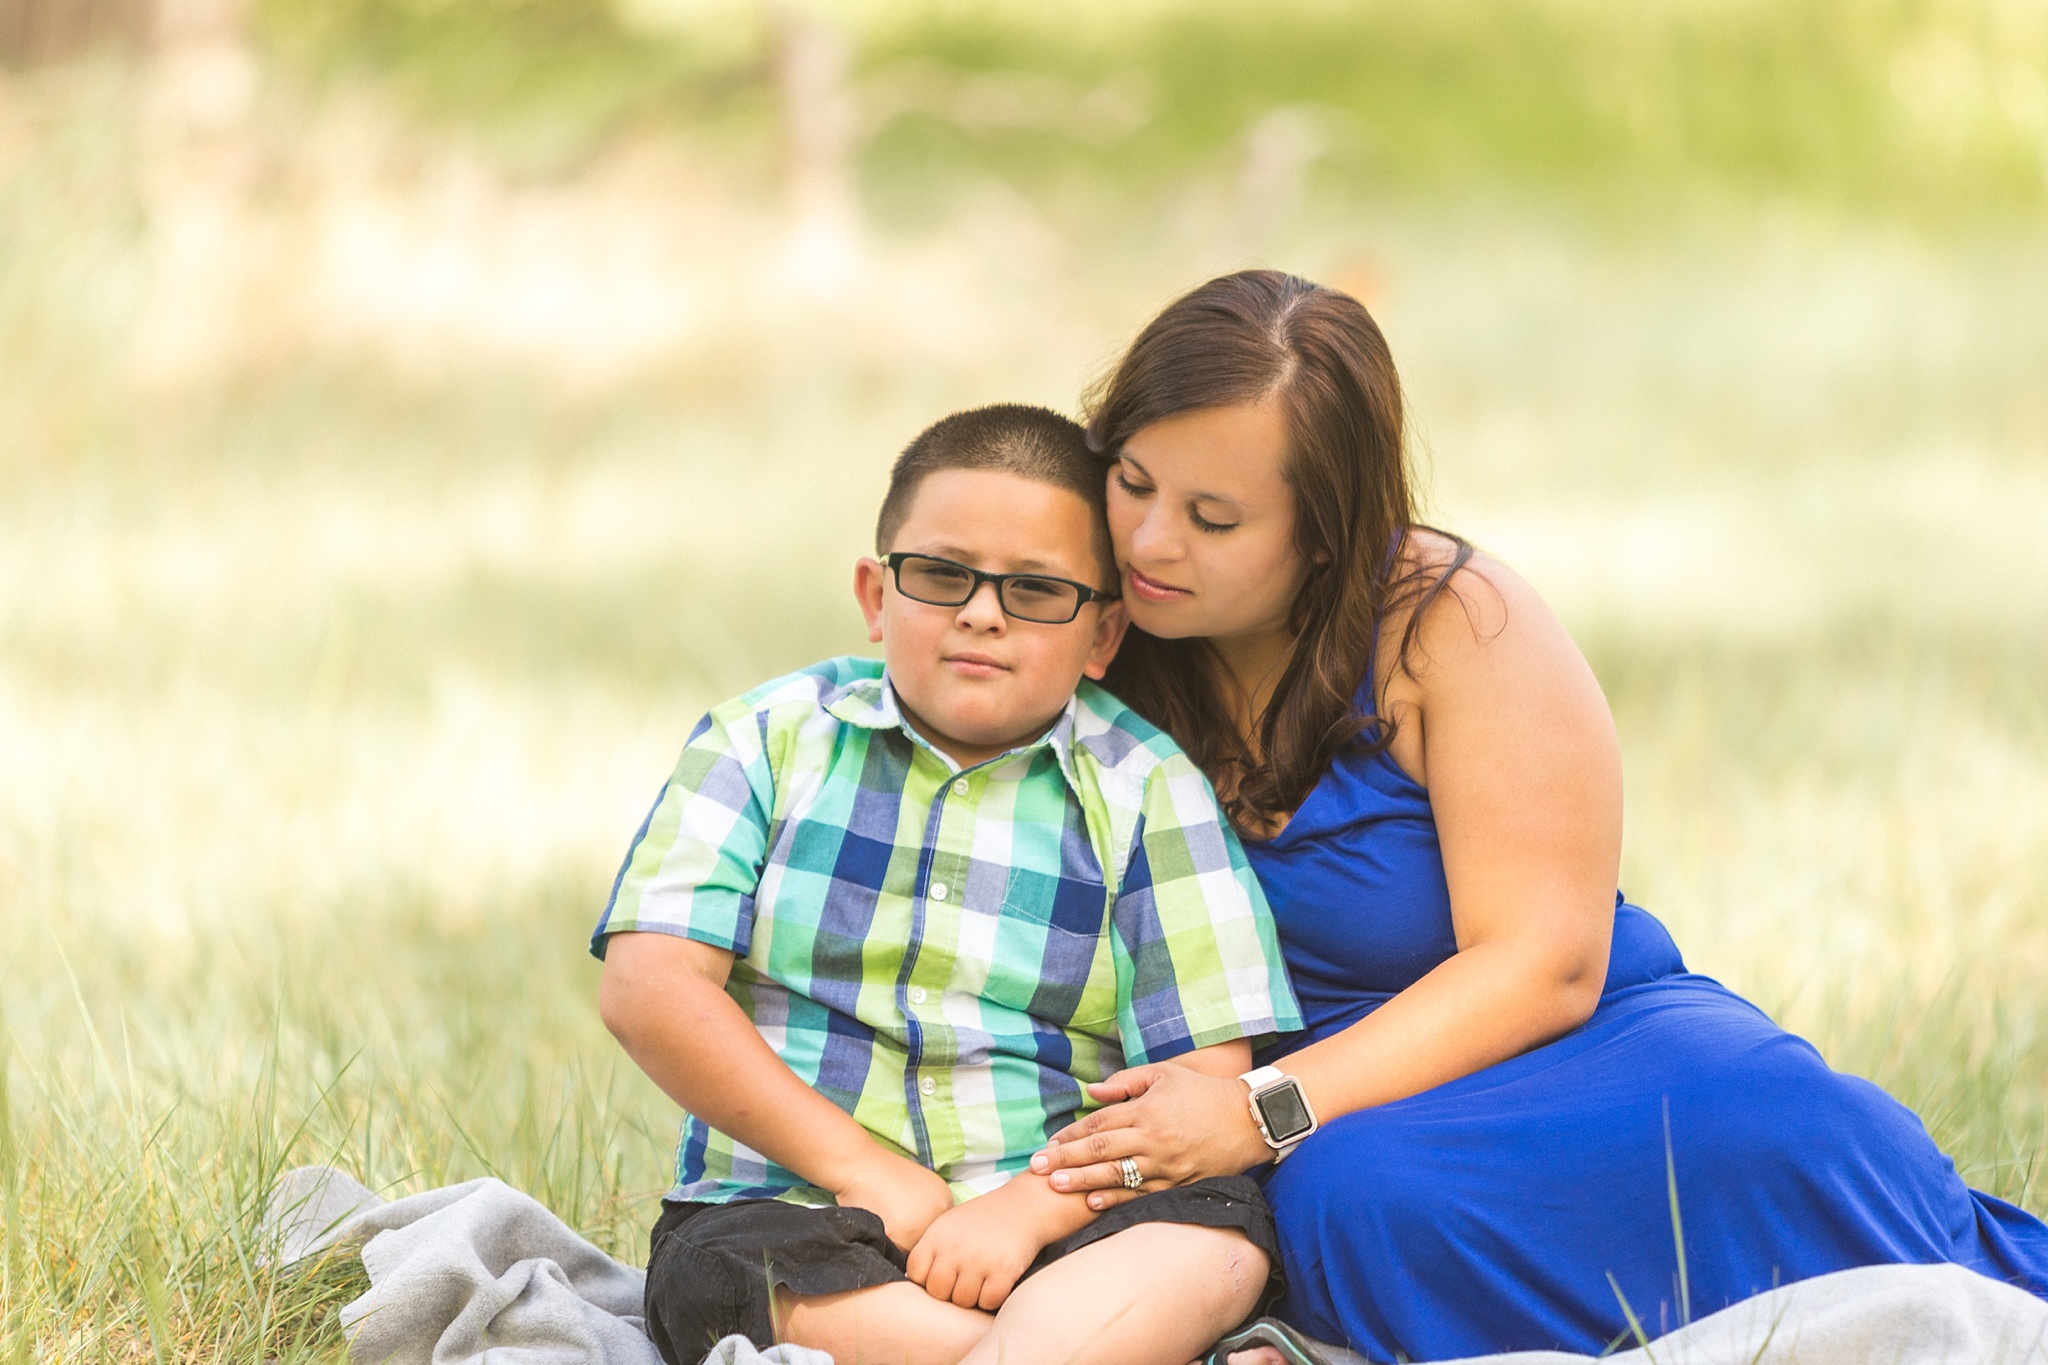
x: 479, y: 1270
x: 464, y: 1271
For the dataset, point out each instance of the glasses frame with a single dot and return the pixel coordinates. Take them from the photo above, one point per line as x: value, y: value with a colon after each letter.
x: 895, y: 559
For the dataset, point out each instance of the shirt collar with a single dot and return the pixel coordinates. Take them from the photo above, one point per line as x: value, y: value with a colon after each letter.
x: 871, y: 704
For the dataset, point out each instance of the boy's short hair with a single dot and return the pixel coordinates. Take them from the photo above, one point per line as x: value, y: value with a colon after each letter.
x: 1010, y: 438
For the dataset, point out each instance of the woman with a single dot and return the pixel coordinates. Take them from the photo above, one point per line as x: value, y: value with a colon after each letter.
x: 1535, y: 1123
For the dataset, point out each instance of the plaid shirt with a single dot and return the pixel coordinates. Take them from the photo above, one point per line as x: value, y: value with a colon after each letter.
x: 948, y: 955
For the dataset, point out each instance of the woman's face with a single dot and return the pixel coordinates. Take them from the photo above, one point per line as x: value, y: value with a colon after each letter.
x: 1203, y: 523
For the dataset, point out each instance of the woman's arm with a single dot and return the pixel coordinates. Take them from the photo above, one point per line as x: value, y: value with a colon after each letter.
x: 1519, y: 754
x: 1503, y: 722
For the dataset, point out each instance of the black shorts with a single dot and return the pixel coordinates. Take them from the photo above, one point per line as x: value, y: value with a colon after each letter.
x: 711, y: 1267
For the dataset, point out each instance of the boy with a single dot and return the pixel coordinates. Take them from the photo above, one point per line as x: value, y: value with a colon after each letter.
x: 885, y: 922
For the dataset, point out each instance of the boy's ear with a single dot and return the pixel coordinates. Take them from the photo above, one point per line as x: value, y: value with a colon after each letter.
x: 1110, y: 625
x: 868, y: 577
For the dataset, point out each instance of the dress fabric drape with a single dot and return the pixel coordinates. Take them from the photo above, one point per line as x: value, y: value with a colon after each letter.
x: 1531, y: 1205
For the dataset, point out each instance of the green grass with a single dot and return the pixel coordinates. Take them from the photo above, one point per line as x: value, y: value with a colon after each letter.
x: 336, y: 671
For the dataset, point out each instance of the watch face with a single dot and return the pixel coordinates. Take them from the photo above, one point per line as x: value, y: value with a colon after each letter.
x: 1285, y: 1114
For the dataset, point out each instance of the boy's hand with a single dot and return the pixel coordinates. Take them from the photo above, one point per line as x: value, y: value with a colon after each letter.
x: 904, y: 1195
x: 974, y: 1255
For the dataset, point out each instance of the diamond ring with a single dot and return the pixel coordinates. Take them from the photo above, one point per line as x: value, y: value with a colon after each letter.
x: 1129, y: 1166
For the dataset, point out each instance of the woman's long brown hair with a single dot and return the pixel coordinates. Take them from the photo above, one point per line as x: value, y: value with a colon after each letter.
x: 1247, y: 338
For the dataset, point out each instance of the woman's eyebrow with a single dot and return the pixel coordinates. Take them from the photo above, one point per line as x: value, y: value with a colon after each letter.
x: 1197, y: 496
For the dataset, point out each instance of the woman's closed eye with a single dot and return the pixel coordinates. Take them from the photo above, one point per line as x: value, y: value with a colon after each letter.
x: 1138, y: 489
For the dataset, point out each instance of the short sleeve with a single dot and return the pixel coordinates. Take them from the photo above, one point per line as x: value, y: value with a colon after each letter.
x: 1198, y: 962
x: 695, y: 865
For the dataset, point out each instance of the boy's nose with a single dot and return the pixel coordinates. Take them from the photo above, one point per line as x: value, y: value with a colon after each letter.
x: 983, y: 610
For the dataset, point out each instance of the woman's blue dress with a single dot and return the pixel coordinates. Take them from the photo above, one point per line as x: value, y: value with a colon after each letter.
x: 1521, y: 1206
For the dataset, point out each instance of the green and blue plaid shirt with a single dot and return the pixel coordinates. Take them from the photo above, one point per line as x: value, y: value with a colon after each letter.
x: 948, y: 955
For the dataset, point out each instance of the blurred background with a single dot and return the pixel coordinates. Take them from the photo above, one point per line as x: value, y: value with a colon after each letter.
x: 414, y: 412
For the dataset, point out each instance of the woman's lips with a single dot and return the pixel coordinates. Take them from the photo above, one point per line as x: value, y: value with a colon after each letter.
x: 1152, y: 590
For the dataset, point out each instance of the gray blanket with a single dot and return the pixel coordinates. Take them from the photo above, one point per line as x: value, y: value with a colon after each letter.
x: 480, y: 1274
x: 1878, y: 1315
x: 477, y: 1274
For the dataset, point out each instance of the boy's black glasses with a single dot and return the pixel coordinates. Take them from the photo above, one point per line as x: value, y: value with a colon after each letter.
x: 1034, y: 597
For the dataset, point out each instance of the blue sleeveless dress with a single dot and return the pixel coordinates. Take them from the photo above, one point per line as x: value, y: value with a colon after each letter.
x: 1519, y: 1207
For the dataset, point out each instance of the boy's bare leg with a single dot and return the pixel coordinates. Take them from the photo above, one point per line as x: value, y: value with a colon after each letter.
x: 890, y: 1324
x: 1155, y: 1294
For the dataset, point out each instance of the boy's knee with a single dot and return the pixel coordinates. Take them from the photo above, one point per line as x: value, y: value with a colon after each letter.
x: 1217, y: 1267
x: 1243, y: 1268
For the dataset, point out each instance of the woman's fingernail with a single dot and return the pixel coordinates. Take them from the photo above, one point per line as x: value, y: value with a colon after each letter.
x: 1061, y: 1180
x: 1094, y: 1201
x: 1040, y: 1163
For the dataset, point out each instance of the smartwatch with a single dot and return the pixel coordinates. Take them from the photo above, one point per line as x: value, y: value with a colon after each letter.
x: 1280, y: 1109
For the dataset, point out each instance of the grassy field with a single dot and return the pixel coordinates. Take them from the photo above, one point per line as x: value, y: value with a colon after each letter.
x: 375, y: 519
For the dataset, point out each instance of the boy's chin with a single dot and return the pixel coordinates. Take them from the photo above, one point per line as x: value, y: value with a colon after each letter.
x: 984, y: 732
x: 977, y: 727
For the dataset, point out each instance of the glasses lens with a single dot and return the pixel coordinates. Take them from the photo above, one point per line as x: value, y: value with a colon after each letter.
x: 933, y: 580
x: 1050, y: 601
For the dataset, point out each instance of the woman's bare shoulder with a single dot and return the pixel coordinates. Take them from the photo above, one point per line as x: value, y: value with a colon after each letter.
x: 1487, y: 657
x: 1467, y: 600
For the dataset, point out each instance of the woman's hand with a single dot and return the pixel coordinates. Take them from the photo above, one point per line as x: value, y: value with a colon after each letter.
x: 1178, y: 1124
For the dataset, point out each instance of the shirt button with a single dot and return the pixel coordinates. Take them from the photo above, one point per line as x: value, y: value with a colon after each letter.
x: 960, y: 786
x: 938, y: 891
x: 917, y: 995
x: 928, y: 1086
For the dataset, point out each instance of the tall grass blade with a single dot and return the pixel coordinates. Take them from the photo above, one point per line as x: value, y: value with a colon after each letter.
x: 1677, y: 1223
